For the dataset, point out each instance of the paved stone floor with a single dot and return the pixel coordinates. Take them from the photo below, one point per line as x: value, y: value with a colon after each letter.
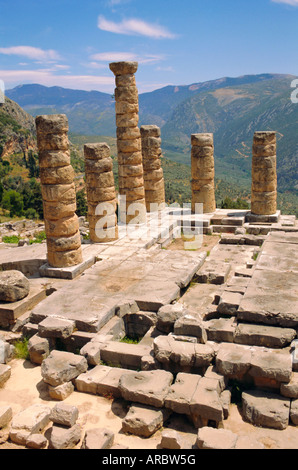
x: 242, y: 292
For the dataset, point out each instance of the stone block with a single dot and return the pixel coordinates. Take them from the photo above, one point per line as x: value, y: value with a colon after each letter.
x: 88, y: 381
x: 221, y: 329
x: 171, y: 439
x: 36, y: 441
x: 190, y: 326
x: 290, y: 389
x: 206, y: 402
x: 271, y: 364
x: 124, y: 355
x: 144, y: 421
x: 5, y: 373
x: 98, y: 438
x: 32, y: 420
x: 216, y: 439
x: 60, y: 367
x: 168, y: 315
x: 229, y: 303
x: 64, y: 414
x: 181, y: 393
x: 148, y: 388
x: 61, y: 392
x: 64, y: 438
x: 261, y: 335
x: 265, y: 409
x: 55, y: 327
x: 233, y: 361
x: 5, y: 416
x: 38, y: 348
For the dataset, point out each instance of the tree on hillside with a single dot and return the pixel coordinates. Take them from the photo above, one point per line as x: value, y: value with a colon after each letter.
x: 13, y: 202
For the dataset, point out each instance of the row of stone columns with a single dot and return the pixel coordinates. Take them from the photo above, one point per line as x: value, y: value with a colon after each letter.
x: 264, y: 176
x: 141, y: 181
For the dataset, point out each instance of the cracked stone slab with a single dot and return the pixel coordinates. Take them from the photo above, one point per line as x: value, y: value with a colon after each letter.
x: 266, y: 409
x: 181, y: 392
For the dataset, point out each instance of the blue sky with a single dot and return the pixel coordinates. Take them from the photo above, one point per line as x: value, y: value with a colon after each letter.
x: 70, y: 43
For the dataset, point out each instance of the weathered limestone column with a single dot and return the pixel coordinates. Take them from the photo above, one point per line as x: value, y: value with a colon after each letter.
x: 202, y: 172
x: 153, y: 172
x: 58, y: 192
x: 264, y: 178
x: 101, y: 195
x: 131, y: 180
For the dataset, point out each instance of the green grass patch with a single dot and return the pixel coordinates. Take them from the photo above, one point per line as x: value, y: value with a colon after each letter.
x: 21, y: 349
x: 130, y: 340
x: 39, y: 237
x: 11, y: 239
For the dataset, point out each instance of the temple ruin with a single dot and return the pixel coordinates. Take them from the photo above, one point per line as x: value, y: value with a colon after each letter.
x: 167, y: 343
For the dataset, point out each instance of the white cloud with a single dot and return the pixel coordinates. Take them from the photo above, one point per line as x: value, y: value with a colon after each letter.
x: 114, y: 56
x: 30, y: 52
x: 294, y: 3
x: 48, y: 77
x: 126, y: 56
x: 134, y: 27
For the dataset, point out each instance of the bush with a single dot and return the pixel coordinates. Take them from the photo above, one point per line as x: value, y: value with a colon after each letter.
x: 13, y: 202
x: 11, y: 239
x: 31, y: 213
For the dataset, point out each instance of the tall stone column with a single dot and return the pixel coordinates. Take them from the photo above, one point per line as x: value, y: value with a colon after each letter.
x: 101, y: 195
x: 264, y: 178
x: 202, y: 172
x: 58, y: 192
x: 131, y: 180
x: 153, y: 172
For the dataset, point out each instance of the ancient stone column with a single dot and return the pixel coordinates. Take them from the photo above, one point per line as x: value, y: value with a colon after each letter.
x: 264, y: 178
x: 58, y: 192
x: 153, y: 172
x: 101, y: 195
x: 131, y: 180
x: 202, y: 172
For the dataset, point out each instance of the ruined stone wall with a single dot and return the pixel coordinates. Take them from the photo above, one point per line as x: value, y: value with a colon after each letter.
x: 58, y: 192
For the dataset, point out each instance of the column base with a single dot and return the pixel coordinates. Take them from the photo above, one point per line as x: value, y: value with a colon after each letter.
x: 269, y: 219
x: 67, y: 273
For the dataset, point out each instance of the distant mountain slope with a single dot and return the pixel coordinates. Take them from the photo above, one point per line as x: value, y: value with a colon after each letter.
x: 232, y: 108
x: 17, y: 129
x: 233, y: 114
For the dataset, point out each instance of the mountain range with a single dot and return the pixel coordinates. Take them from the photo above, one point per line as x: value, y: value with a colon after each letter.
x: 231, y: 108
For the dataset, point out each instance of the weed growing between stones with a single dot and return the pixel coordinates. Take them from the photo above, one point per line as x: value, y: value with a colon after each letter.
x: 130, y: 340
x: 21, y: 349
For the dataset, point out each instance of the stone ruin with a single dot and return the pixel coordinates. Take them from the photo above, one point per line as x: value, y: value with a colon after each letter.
x: 212, y: 328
